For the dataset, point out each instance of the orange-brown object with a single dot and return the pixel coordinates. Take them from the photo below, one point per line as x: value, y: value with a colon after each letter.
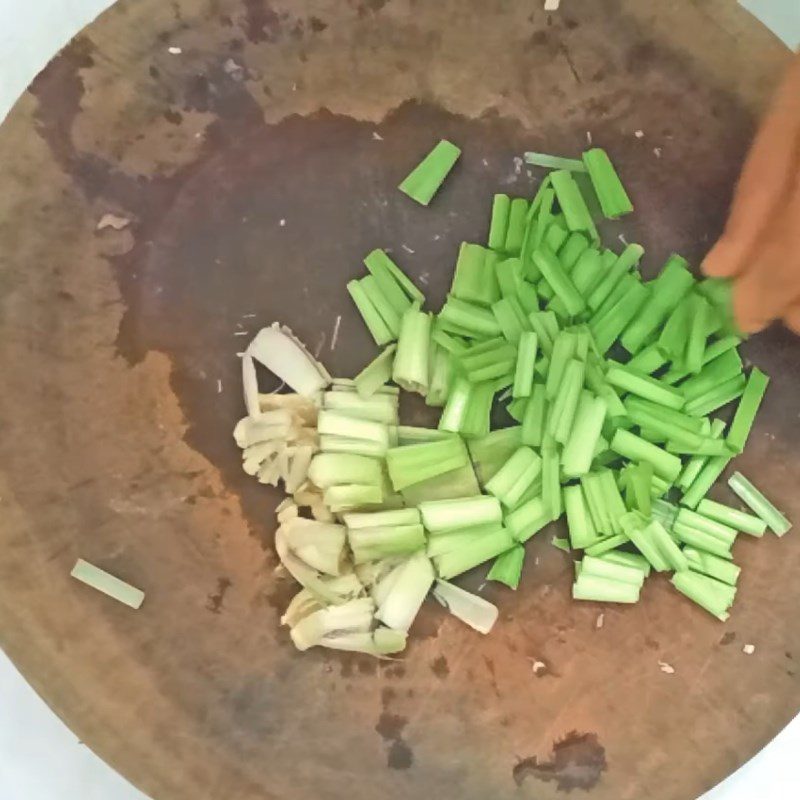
x: 760, y: 248
x: 116, y: 446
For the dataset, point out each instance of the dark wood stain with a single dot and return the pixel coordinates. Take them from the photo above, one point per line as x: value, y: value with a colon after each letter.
x: 215, y: 601
x: 577, y: 762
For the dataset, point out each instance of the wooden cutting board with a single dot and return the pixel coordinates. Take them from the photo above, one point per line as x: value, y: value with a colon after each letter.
x: 248, y: 152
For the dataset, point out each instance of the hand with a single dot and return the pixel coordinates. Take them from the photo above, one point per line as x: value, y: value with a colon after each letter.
x: 760, y: 247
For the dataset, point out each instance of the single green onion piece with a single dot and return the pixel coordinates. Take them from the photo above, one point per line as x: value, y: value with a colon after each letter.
x: 378, y: 407
x: 471, y: 609
x: 507, y: 319
x: 488, y: 546
x: 533, y: 420
x: 635, y: 448
x: 626, y: 261
x: 509, y: 277
x: 644, y: 386
x: 648, y: 360
x: 410, y: 369
x: 580, y: 446
x: 448, y: 541
x: 554, y: 162
x: 748, y: 407
x: 477, y: 418
x: 717, y: 397
x: 465, y: 512
x: 634, y: 560
x: 696, y: 463
x: 108, y: 584
x: 333, y: 469
x: 635, y: 527
x: 726, y: 366
x: 414, y: 463
x: 528, y: 519
x: 705, y: 447
x: 440, y: 376
x: 475, y: 278
x: 575, y: 246
x: 513, y: 479
x: 696, y: 343
x: 594, y: 493
x: 705, y: 479
x: 606, y: 545
x: 478, y: 321
x: 331, y: 443
x: 711, y: 565
x: 385, y: 272
x: 561, y: 283
x: 459, y: 482
x: 381, y: 304
x: 563, y: 351
x: 614, y: 200
x: 710, y: 594
x: 551, y: 485
x: 565, y: 405
x: 337, y: 424
x: 609, y: 326
x: 602, y: 568
x: 373, y: 544
x: 372, y: 319
x: 675, y: 333
x: 756, y: 501
x: 573, y: 204
x: 701, y: 539
x: 604, y: 590
x: 732, y: 517
x: 350, y: 496
x: 669, y: 551
x: 582, y: 532
x: 425, y: 179
x: 456, y: 407
x: 516, y: 226
x: 501, y: 205
x: 526, y: 361
x: 376, y: 374
x: 507, y: 567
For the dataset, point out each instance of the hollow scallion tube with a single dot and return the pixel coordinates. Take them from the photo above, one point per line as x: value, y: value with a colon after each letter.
x: 372, y: 319
x: 554, y: 162
x: 604, y: 590
x: 712, y: 595
x: 413, y: 463
x: 634, y: 560
x: 573, y: 205
x: 606, y: 545
x: 514, y: 478
x: 475, y: 276
x: 515, y: 231
x: 509, y: 277
x: 551, y: 485
x: 455, y: 409
x: 726, y: 366
x: 635, y: 527
x: 533, y: 420
x: 425, y: 179
x: 410, y: 368
x: 711, y: 565
x: 565, y: 405
x: 579, y: 449
x: 563, y: 351
x: 349, y: 496
x: 440, y: 376
x: 624, y: 573
x: 701, y: 539
x: 528, y: 519
x: 732, y: 517
x: 507, y: 567
x: 526, y: 361
x: 399, y: 293
x: 582, y: 532
x: 560, y: 281
x: 717, y: 397
x: 747, y: 409
x: 635, y: 448
x: 372, y: 544
x: 756, y: 501
x: 648, y: 360
x: 572, y: 250
x: 628, y: 259
x: 464, y: 512
x: 705, y: 479
x: 644, y: 386
x: 696, y: 463
x: 609, y: 326
x: 508, y: 319
x: 696, y: 343
x: 476, y: 418
x: 376, y: 374
x: 666, y: 546
x: 486, y: 547
x: 501, y: 205
x: 614, y: 200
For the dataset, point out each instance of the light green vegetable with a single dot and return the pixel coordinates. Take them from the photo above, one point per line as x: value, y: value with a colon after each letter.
x: 425, y: 179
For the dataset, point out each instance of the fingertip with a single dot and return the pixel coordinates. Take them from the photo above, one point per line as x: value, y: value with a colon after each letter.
x: 723, y: 261
x: 792, y: 319
x: 749, y: 304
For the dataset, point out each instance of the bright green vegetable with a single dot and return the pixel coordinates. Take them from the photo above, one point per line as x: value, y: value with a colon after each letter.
x: 714, y: 596
x: 637, y: 529
x: 613, y: 198
x: 701, y: 539
x: 593, y: 587
x: 554, y: 162
x: 475, y: 277
x: 747, y: 410
x: 629, y: 258
x: 373, y: 544
x: 410, y: 369
x: 606, y: 545
x: 696, y: 463
x: 515, y: 232
x: 561, y: 283
x: 376, y: 373
x: 667, y: 548
x: 510, y: 279
x: 528, y: 519
x: 475, y: 320
x: 515, y: 477
x: 756, y: 501
x: 711, y: 565
x: 607, y: 326
x: 486, y: 547
x: 572, y: 203
x: 334, y: 469
x: 717, y: 397
x: 582, y: 532
x: 414, y: 463
x: 579, y: 449
x: 507, y: 567
x: 501, y: 205
x: 350, y: 496
x: 732, y: 517
x: 634, y: 560
x: 565, y: 405
x: 425, y: 179
x: 440, y: 376
x: 472, y: 610
x: 648, y: 360
x: 644, y: 386
x: 444, y: 515
x: 698, y: 489
x: 726, y: 366
x: 572, y: 250
x: 533, y: 420
x: 526, y: 361
x: 696, y: 343
x: 551, y: 485
x: 635, y: 448
x: 509, y: 320
x: 377, y: 327
x: 602, y: 568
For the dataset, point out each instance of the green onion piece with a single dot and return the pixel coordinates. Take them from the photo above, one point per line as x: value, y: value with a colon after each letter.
x: 696, y: 343
x: 756, y: 501
x: 490, y: 452
x: 582, y: 532
x: 410, y: 369
x: 475, y: 279
x: 528, y: 298
x: 726, y: 366
x: 635, y: 527
x: 675, y: 333
x: 563, y: 351
x: 471, y: 609
x: 580, y: 446
x: 381, y: 304
x: 373, y: 544
x: 514, y: 478
x: 378, y: 262
x: 456, y: 407
x: 516, y: 226
x: 108, y: 584
x: 476, y: 419
x: 669, y: 551
x: 628, y: 259
x: 545, y: 325
x: 440, y: 376
x: 384, y: 272
x: 705, y: 479
x: 534, y: 419
x: 748, y: 407
x: 465, y: 512
x: 732, y: 517
x: 476, y: 320
x: 414, y: 463
x: 551, y: 485
x: 378, y: 408
x: 648, y: 360
x: 526, y: 360
x: 509, y: 277
x: 701, y: 539
x: 635, y: 448
x: 347, y: 444
x: 668, y: 290
x: 594, y: 493
x: 376, y: 374
x: 336, y: 424
x: 712, y: 595
x: 644, y: 386
x: 528, y: 519
x: 408, y: 590
x: 507, y: 319
x: 613, y: 198
x: 706, y: 446
x: 350, y: 496
x: 561, y: 283
x: 575, y: 246
x: 554, y: 238
x: 507, y: 567
x: 711, y: 565
x: 373, y: 320
x: 589, y: 270
x: 609, y: 326
x: 717, y: 397
x: 425, y: 179
x: 696, y: 463
x: 501, y: 205
x: 488, y: 546
x: 554, y: 162
x: 460, y: 482
x: 663, y: 422
x: 602, y: 568
x: 605, y: 590
x: 565, y: 405
x: 573, y: 205
x: 606, y: 545
x: 333, y: 469
x: 448, y: 541
x: 382, y: 519
x: 634, y: 560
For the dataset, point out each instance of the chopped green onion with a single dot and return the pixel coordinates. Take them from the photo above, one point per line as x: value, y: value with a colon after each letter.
x: 475, y: 278
x: 474, y: 319
x: 602, y: 568
x: 373, y: 544
x: 486, y: 547
x: 372, y: 319
x: 732, y: 517
x: 629, y: 258
x: 561, y: 283
x: 705, y: 479
x: 748, y: 407
x: 516, y: 226
x: 381, y: 304
x: 593, y: 587
x: 376, y: 373
x: 648, y: 360
x: 573, y: 204
x: 515, y: 477
x: 425, y: 179
x: 711, y: 565
x: 476, y: 612
x: 554, y: 162
x: 501, y: 205
x: 580, y: 446
x: 717, y: 397
x: 379, y: 263
x: 756, y: 501
x: 644, y: 386
x: 726, y: 366
x: 410, y: 369
x: 414, y: 463
x: 696, y: 343
x: 444, y: 515
x: 334, y: 469
x: 526, y: 360
x: 534, y: 418
x: 607, y: 544
x: 611, y: 193
x: 634, y: 560
x: 528, y: 519
x: 712, y: 595
x: 507, y: 567
x: 409, y: 589
x: 636, y: 528
x: 350, y: 496
x: 635, y: 448
x: 551, y: 484
x: 582, y: 532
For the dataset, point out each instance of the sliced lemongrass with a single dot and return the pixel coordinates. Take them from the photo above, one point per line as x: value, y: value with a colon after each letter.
x: 758, y: 503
